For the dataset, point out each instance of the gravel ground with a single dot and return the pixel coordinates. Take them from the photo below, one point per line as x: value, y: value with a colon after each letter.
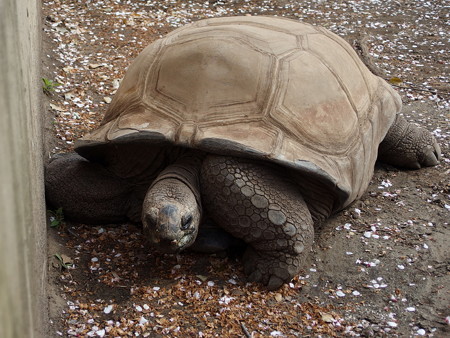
x: 379, y: 268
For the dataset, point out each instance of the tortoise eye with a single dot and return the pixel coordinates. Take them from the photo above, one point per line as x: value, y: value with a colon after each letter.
x: 186, y: 223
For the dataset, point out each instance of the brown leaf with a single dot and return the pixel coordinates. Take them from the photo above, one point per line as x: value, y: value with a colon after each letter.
x: 395, y: 80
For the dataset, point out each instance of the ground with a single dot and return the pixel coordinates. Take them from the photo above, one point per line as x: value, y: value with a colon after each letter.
x: 381, y: 267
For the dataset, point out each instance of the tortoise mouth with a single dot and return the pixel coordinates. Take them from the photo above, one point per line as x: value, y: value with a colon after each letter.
x: 172, y: 246
x: 168, y: 246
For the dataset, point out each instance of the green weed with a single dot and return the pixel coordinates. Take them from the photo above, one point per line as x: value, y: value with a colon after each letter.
x: 49, y: 86
x: 56, y: 217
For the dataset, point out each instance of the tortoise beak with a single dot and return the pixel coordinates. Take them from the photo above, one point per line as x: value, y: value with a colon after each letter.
x: 163, y: 228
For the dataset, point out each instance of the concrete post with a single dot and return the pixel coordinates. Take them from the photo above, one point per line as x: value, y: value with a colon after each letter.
x: 23, y: 309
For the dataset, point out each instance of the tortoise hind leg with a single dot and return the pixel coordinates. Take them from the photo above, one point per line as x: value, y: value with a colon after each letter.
x: 409, y: 146
x: 253, y: 202
x: 86, y: 192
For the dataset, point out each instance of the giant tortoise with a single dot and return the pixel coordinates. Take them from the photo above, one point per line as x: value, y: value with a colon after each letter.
x: 265, y: 124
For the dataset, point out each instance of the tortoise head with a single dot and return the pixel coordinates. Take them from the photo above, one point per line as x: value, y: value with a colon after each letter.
x: 170, y: 215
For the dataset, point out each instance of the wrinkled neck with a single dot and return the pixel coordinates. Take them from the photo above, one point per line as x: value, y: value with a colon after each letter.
x: 185, y: 169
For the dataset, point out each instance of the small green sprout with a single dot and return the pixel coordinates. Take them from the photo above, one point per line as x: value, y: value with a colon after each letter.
x: 56, y: 217
x: 49, y: 85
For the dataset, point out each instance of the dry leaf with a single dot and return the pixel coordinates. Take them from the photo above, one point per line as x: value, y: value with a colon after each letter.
x: 395, y: 80
x: 95, y: 65
x: 327, y: 318
x: 69, y: 69
x: 278, y: 297
x: 57, y: 108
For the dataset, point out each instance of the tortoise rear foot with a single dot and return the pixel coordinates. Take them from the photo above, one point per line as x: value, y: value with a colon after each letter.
x: 409, y: 146
x: 86, y: 191
x: 254, y: 202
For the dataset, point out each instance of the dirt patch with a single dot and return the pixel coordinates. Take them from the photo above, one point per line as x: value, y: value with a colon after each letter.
x: 381, y: 267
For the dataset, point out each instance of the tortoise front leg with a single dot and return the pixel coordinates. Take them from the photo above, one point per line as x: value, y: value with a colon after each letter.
x: 409, y: 146
x: 253, y: 202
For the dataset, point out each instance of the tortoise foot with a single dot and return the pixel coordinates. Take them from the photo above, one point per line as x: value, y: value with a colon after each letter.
x: 409, y: 146
x: 272, y: 269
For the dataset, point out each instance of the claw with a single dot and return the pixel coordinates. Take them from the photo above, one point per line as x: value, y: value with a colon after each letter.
x: 275, y: 282
x: 255, y: 276
x: 431, y: 156
x: 437, y: 150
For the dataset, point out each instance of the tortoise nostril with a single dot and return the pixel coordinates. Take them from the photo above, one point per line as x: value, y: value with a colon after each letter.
x: 186, y: 222
x: 150, y: 218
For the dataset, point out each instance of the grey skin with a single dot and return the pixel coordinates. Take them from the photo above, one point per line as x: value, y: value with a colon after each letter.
x: 255, y: 201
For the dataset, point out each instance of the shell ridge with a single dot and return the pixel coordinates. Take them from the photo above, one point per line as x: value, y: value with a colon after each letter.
x: 338, y: 78
x: 254, y: 23
x: 306, y: 140
x: 358, y: 62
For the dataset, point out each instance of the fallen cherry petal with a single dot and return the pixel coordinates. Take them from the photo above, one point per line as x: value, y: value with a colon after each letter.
x: 108, y: 309
x: 339, y: 293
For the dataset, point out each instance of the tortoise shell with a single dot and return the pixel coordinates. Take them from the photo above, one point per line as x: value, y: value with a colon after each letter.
x: 263, y: 87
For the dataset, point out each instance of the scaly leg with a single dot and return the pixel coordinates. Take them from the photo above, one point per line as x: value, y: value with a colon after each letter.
x: 254, y: 202
x: 409, y: 146
x: 88, y: 193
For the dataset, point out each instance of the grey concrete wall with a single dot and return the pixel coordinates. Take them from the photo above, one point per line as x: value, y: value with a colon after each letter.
x: 23, y: 308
